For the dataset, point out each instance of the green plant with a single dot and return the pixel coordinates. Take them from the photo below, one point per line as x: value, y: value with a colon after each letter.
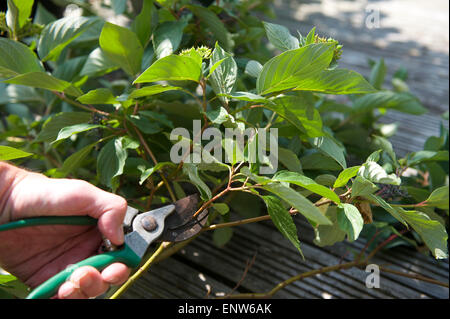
x: 84, y: 98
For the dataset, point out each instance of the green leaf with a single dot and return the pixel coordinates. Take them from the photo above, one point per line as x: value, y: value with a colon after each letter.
x: 215, y: 25
x: 329, y: 147
x: 280, y: 37
x: 318, y: 161
x: 152, y: 90
x: 337, y: 81
x: 253, y: 68
x: 298, y: 111
x: 52, y: 127
x: 432, y: 232
x: 9, y: 153
x: 375, y: 173
x: 45, y: 81
x: 144, y: 124
x: 363, y: 187
x: 98, y: 96
x: 111, y: 161
x: 245, y: 96
x: 192, y: 172
x: 75, y: 160
x: 119, y: 6
x: 284, y: 71
x: 147, y: 172
x: 306, y: 182
x: 377, y: 74
x: 402, y: 102
x: 391, y: 210
x: 345, y: 176
x: 289, y: 159
x: 304, y: 206
x: 16, y: 58
x: 426, y: 156
x: 60, y: 33
x: 97, y: 64
x: 221, y: 236
x: 223, y: 78
x: 439, y: 198
x: 167, y: 37
x: 121, y: 46
x: 350, y: 220
x: 221, y: 208
x: 18, y: 13
x: 328, y: 235
x: 172, y: 68
x: 68, y: 131
x: 282, y: 220
x: 143, y: 24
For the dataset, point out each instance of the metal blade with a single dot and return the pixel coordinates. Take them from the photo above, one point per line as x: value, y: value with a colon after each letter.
x: 180, y: 225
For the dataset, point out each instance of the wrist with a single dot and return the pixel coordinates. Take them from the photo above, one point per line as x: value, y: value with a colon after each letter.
x: 9, y: 177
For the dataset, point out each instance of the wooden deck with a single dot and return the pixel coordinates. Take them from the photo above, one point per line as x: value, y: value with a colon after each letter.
x: 411, y: 33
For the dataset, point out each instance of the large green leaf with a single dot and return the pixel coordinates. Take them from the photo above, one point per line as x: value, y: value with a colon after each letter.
x: 306, y: 182
x: 403, y: 102
x: 289, y: 159
x: 75, y: 160
x: 192, y: 172
x: 111, y: 161
x: 9, y: 153
x: 280, y: 37
x: 298, y: 111
x: 327, y: 235
x: 337, y: 81
x: 439, y: 198
x: 143, y: 23
x: 363, y: 187
x: 97, y: 64
x: 152, y: 90
x: 303, y: 205
x: 345, y: 176
x: 282, y: 220
x: 58, y: 34
x: 98, y: 96
x: 224, y: 76
x: 42, y: 80
x: 52, y: 127
x: 122, y: 46
x: 432, y: 232
x: 16, y: 58
x: 167, y: 37
x: 350, y: 220
x: 329, y: 147
x: 68, y: 131
x: 172, y: 68
x: 284, y: 71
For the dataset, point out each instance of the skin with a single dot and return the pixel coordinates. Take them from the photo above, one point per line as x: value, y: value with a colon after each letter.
x: 34, y: 254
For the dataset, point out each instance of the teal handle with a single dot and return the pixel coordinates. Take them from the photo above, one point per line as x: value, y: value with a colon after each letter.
x: 49, y: 288
x: 49, y: 220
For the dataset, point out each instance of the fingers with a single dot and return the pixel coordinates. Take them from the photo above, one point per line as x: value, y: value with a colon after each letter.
x: 87, y: 282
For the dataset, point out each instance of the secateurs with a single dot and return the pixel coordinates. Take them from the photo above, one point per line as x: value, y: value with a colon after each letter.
x: 170, y: 223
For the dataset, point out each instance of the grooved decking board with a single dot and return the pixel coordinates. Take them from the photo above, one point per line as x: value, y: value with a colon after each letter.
x: 413, y: 34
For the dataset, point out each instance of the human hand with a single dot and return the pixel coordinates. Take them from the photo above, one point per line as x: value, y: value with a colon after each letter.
x: 34, y: 254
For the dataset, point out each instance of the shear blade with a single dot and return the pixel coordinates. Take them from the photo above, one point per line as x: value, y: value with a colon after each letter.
x: 180, y: 225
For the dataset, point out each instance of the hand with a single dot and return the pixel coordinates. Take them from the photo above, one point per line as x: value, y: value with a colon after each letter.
x: 34, y: 254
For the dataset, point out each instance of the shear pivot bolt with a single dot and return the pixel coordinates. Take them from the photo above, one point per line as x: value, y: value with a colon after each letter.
x: 149, y: 223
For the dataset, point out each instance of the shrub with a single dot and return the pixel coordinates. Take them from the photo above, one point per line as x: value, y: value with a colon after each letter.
x: 84, y: 98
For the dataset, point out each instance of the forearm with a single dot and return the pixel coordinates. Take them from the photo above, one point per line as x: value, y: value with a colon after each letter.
x: 9, y: 177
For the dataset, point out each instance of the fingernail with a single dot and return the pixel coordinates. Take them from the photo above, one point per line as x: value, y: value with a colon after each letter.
x: 83, y: 279
x: 67, y: 291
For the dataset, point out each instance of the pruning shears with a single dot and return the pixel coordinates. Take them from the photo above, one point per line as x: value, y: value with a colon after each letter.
x: 171, y: 223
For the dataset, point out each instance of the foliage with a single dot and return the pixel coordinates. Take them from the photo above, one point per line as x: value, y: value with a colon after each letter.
x: 84, y: 98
